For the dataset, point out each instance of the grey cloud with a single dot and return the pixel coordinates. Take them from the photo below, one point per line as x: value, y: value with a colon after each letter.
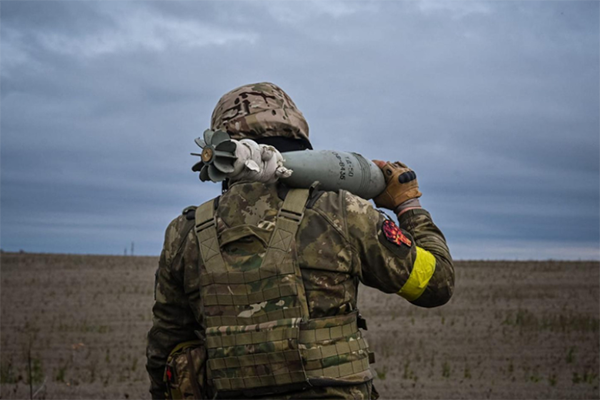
x: 494, y: 104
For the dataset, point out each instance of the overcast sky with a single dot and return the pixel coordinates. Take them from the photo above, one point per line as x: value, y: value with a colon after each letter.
x: 495, y: 105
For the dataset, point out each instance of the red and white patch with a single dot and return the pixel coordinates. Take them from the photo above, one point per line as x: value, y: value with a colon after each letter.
x: 394, y: 234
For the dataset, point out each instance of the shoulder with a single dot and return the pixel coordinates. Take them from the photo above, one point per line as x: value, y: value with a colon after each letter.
x: 342, y: 203
x: 355, y: 205
x: 177, y: 231
x: 189, y: 212
x: 342, y: 208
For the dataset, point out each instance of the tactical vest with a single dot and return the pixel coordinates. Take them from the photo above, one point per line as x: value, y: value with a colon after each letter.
x: 259, y: 335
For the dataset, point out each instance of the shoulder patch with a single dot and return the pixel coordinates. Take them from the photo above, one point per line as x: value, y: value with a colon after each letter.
x: 394, y: 234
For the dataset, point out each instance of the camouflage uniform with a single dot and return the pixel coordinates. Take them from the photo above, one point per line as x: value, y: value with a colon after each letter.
x: 342, y: 240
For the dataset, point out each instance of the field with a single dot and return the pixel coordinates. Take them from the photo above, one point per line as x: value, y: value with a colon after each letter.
x: 521, y: 330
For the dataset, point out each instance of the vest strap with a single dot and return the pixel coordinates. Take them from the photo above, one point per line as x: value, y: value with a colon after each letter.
x: 282, y: 244
x: 206, y: 231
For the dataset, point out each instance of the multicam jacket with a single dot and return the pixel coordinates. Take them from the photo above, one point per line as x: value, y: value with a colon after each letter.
x: 342, y: 240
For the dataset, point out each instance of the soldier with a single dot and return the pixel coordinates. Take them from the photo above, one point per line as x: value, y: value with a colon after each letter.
x: 258, y: 288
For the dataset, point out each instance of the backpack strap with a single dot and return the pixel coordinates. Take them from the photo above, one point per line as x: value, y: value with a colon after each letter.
x: 206, y: 231
x: 282, y: 243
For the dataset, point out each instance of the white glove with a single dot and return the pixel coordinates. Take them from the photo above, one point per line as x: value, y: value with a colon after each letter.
x: 257, y: 163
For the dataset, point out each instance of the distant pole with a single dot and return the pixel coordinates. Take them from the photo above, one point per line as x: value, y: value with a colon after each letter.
x: 29, y: 372
x: 131, y: 248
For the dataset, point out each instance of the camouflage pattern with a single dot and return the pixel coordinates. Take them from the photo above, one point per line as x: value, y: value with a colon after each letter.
x: 259, y: 334
x: 340, y: 243
x: 259, y: 110
x: 185, y: 371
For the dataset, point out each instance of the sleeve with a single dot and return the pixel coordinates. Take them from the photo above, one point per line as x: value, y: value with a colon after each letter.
x: 412, y: 259
x: 173, y: 319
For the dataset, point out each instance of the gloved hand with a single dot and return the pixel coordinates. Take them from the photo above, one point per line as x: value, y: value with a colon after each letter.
x: 401, y: 186
x: 257, y: 163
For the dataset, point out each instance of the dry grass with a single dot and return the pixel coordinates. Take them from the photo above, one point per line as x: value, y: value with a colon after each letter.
x: 513, y: 330
x: 85, y: 319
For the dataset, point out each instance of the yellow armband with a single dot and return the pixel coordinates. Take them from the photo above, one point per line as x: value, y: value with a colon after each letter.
x: 422, y: 271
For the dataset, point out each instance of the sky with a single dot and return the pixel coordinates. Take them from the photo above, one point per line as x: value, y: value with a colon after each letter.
x: 495, y: 105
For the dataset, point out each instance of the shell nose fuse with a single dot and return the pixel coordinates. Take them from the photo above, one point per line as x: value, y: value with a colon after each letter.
x: 225, y: 158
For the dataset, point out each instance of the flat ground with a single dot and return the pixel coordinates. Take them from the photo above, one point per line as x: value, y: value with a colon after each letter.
x: 526, y: 330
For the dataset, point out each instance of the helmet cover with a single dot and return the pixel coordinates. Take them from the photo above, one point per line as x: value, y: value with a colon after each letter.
x: 259, y: 110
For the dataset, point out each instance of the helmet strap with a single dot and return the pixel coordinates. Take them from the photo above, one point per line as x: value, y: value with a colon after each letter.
x: 284, y: 144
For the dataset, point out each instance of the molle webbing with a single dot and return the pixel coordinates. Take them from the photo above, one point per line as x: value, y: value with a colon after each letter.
x: 247, y: 297
x: 223, y: 285
x: 259, y: 336
x: 228, y: 278
x: 228, y: 320
x: 332, y: 347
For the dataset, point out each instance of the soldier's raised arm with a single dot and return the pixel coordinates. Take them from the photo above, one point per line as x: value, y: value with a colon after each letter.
x: 173, y: 319
x: 411, y: 259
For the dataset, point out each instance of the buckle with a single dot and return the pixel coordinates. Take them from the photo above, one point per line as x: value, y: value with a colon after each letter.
x: 296, y: 217
x: 205, y: 225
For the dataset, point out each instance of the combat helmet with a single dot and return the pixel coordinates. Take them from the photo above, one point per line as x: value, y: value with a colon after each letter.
x: 262, y: 112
